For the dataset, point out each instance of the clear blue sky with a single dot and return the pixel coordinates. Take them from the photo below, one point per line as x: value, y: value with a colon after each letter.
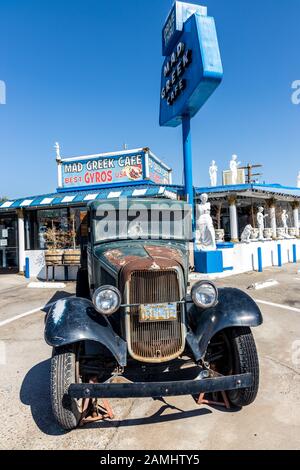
x: 87, y: 74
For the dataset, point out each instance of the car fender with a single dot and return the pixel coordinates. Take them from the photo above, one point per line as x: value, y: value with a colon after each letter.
x: 75, y: 319
x: 234, y: 308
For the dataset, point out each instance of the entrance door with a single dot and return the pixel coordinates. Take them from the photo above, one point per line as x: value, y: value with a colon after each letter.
x: 8, y: 243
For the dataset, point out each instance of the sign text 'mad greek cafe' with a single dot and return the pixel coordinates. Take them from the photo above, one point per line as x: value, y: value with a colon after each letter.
x: 112, y: 168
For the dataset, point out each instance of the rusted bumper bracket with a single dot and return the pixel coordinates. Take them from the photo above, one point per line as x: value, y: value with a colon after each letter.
x: 160, y: 389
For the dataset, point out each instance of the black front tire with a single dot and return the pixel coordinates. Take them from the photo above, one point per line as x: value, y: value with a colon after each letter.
x: 244, y: 359
x: 65, y: 409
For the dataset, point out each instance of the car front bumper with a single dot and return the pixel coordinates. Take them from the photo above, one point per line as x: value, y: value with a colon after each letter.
x: 160, y: 389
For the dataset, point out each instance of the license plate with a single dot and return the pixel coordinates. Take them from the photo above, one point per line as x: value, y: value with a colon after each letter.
x: 158, y: 312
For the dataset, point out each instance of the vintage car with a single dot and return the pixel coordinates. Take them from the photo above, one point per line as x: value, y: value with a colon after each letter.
x: 136, y: 328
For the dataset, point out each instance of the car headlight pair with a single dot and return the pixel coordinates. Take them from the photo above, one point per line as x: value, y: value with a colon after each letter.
x: 107, y: 300
x: 204, y: 294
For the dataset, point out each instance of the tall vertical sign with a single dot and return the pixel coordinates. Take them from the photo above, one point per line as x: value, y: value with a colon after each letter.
x: 191, y: 72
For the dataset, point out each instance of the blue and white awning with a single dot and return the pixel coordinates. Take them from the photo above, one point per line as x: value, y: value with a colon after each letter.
x: 83, y: 197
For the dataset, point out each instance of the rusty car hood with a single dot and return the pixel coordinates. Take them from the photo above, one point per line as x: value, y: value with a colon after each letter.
x: 132, y: 255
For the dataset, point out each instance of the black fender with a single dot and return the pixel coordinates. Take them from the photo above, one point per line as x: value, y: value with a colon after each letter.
x: 234, y: 308
x: 75, y: 319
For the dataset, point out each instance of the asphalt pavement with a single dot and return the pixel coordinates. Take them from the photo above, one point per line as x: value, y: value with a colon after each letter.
x: 272, y: 422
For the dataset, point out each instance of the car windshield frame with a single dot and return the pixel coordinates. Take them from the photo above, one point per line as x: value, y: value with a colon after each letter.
x: 134, y: 223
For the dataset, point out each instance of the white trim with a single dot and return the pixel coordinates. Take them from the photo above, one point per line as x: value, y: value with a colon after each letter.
x: 105, y: 155
x: 68, y: 199
x: 161, y: 190
x: 147, y: 169
x: 152, y: 155
x: 26, y: 202
x: 90, y: 197
x: 114, y: 194
x: 170, y: 195
x: 47, y: 200
x: 7, y: 204
x: 139, y: 192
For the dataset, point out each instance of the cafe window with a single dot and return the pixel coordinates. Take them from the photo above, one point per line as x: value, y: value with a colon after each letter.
x: 60, y: 228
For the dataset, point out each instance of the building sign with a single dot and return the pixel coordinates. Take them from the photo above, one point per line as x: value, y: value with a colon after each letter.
x: 158, y: 173
x: 113, y: 169
x: 192, y: 69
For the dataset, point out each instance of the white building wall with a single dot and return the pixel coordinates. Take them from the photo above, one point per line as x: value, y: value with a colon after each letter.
x: 244, y: 258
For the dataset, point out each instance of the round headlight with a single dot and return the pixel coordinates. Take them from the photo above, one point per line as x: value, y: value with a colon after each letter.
x: 204, y: 294
x: 107, y: 300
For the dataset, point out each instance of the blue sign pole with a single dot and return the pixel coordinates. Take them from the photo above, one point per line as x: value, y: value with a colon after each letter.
x: 188, y: 165
x: 191, y: 72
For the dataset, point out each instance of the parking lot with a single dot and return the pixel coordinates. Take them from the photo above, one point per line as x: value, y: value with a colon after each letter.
x: 272, y: 422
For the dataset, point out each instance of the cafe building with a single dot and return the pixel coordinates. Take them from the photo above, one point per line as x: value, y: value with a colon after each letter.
x: 32, y: 226
x: 234, y: 210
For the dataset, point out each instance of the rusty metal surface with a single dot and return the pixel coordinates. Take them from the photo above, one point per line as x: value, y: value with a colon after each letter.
x: 122, y: 256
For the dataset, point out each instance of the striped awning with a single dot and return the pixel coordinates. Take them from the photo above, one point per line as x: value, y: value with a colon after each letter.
x: 83, y: 197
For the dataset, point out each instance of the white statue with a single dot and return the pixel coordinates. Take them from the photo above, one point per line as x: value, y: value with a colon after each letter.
x: 206, y: 239
x: 261, y: 222
x: 57, y: 149
x: 213, y: 173
x: 246, y: 235
x: 298, y: 180
x: 234, y: 169
x: 284, y: 219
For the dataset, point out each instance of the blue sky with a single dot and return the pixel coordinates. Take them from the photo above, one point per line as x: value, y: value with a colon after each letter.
x: 87, y: 73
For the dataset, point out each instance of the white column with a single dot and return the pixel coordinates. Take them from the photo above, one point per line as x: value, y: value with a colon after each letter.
x: 273, y: 221
x: 233, y: 220
x: 21, y: 239
x: 59, y: 174
x: 296, y: 218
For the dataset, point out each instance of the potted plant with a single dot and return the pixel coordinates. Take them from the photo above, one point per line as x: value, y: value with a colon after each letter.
x: 54, y: 252
x: 71, y: 254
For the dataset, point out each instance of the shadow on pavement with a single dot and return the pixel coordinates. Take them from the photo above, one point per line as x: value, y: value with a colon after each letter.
x: 35, y: 392
x: 157, y: 417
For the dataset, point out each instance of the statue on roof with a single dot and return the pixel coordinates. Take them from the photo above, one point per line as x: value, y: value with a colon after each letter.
x: 57, y: 149
x: 234, y: 169
x: 213, y: 173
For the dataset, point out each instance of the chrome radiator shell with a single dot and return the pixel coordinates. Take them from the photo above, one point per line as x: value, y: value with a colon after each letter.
x: 155, y: 341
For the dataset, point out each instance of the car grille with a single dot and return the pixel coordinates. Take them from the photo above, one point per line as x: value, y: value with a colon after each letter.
x: 156, y: 341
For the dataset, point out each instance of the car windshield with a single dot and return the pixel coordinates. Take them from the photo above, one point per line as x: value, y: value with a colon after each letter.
x: 160, y: 223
